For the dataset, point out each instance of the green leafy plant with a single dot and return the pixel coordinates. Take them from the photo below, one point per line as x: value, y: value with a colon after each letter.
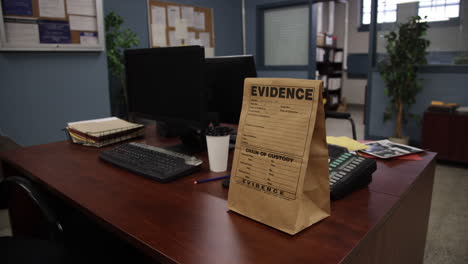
x: 461, y: 59
x: 406, y: 48
x: 117, y: 40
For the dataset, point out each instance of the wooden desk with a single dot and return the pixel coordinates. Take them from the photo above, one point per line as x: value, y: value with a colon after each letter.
x: 186, y: 223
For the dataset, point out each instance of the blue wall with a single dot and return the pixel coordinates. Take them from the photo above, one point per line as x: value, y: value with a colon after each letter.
x: 135, y: 17
x: 227, y: 21
x: 41, y: 91
x: 447, y: 87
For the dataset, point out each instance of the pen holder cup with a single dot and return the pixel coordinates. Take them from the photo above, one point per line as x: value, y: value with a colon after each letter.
x: 217, y: 140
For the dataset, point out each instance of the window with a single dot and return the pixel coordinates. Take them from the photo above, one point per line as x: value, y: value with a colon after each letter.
x: 387, y: 11
x: 435, y: 10
x: 439, y: 10
x: 285, y: 36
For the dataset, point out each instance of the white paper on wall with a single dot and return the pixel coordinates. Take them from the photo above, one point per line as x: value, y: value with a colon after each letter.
x: 158, y: 35
x: 83, y: 23
x: 22, y: 33
x: 199, y: 20
x: 181, y: 29
x: 187, y: 14
x: 173, y: 15
x: 52, y: 8
x: 81, y: 7
x: 158, y: 15
x: 205, y: 39
x: 173, y: 41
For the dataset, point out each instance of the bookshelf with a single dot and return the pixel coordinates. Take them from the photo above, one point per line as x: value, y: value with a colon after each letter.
x: 330, y: 69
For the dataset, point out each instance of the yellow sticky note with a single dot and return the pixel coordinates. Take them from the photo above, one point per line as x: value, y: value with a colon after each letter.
x: 350, y: 144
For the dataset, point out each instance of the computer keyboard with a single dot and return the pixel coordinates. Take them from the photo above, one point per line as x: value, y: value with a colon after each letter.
x: 155, y: 163
x: 347, y: 171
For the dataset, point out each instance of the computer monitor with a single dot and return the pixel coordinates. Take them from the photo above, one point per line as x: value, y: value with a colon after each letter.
x: 167, y: 85
x: 225, y: 80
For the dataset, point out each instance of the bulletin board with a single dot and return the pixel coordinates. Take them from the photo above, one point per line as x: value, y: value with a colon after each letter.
x: 172, y: 24
x: 51, y: 25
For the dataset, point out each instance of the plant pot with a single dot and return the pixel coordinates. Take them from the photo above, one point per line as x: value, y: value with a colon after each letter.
x: 402, y: 140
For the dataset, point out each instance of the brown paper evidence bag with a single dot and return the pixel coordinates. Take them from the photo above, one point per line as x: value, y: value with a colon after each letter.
x: 279, y: 174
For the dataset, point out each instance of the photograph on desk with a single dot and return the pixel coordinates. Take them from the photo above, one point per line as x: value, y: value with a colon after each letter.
x: 386, y: 149
x: 279, y: 173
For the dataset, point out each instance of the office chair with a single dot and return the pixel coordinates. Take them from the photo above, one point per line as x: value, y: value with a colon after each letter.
x: 22, y: 249
x: 340, y: 115
x: 47, y: 242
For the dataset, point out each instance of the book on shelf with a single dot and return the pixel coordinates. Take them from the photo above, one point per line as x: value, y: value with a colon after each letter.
x: 103, y: 131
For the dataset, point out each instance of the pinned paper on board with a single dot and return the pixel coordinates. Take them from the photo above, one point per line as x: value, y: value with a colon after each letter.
x: 192, y: 40
x: 173, y: 15
x: 52, y: 8
x: 159, y: 35
x: 173, y: 41
x: 199, y: 20
x: 22, y: 32
x: 17, y: 7
x: 158, y: 15
x: 52, y: 25
x: 81, y: 7
x: 89, y: 38
x: 173, y: 24
x: 53, y: 31
x: 84, y: 23
x: 187, y: 14
x: 181, y: 29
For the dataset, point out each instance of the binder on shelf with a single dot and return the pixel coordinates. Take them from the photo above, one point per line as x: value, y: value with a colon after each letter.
x: 324, y: 78
x: 102, y: 132
x: 338, y: 57
x: 320, y: 54
x: 334, y: 83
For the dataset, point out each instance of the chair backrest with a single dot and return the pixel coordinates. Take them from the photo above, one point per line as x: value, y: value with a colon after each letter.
x: 21, y: 191
x: 342, y: 115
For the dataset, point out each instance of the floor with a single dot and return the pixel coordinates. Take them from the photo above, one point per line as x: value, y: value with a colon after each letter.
x: 447, y: 238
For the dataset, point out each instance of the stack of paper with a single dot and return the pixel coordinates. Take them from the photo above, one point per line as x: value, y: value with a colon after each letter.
x: 104, y: 131
x: 439, y: 106
x: 346, y: 142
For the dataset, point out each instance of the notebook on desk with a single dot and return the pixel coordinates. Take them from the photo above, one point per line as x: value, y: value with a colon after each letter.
x: 103, y: 131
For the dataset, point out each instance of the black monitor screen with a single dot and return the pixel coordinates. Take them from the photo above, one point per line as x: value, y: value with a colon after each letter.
x: 167, y: 84
x: 225, y: 80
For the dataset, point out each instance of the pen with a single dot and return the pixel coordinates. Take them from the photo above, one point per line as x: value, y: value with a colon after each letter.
x: 212, y: 179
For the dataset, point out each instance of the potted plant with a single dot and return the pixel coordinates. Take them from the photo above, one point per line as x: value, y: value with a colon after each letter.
x: 117, y: 40
x: 406, y: 52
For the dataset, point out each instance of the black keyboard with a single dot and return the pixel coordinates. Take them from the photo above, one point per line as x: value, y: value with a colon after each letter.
x: 347, y: 171
x: 335, y: 151
x: 155, y: 163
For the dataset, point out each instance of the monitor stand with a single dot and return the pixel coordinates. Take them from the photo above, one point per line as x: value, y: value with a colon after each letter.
x: 192, y: 143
